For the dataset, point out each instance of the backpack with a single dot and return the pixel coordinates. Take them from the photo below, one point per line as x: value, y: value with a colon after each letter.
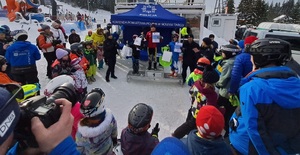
x: 37, y: 42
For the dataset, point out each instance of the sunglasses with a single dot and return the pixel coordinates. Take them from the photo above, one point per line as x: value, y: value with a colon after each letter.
x: 16, y: 91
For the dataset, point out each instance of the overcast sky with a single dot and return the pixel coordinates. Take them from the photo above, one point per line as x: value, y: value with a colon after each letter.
x: 210, y: 4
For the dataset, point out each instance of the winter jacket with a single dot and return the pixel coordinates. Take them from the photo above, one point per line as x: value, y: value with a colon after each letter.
x: 4, y: 79
x: 90, y: 55
x: 79, y: 78
x: 74, y: 38
x: 84, y: 63
x: 215, y: 46
x: 133, y: 144
x: 67, y: 146
x: 189, y: 56
x: 97, y: 140
x: 88, y: 38
x: 98, y: 40
x: 175, y: 55
x: 77, y: 117
x: 224, y: 83
x: 58, y: 35
x: 45, y: 42
x: 294, y: 65
x: 110, y: 49
x: 201, y: 146
x: 242, y: 66
x: 135, y: 50
x: 193, y: 77
x: 149, y: 40
x: 205, y: 52
x: 100, y: 53
x: 270, y: 110
x: 22, y: 53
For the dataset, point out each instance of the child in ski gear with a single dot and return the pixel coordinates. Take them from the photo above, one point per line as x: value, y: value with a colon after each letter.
x: 175, y: 56
x: 98, y: 41
x: 152, y: 48
x: 207, y: 138
x: 135, y: 139
x: 77, y: 52
x: 228, y: 53
x: 74, y: 37
x: 198, y: 71
x: 266, y: 122
x: 62, y: 65
x: 110, y: 51
x: 80, y: 78
x: 135, y: 56
x: 47, y: 44
x: 202, y: 93
x: 90, y: 55
x: 97, y: 131
x: 88, y: 37
x: 22, y: 56
x: 4, y: 78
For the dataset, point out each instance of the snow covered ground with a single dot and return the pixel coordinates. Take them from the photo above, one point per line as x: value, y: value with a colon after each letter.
x: 169, y: 100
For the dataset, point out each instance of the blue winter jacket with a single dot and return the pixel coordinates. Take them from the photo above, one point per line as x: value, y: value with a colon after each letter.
x: 242, y: 66
x: 22, y: 53
x: 175, y: 55
x: 200, y: 146
x: 67, y: 146
x: 270, y: 111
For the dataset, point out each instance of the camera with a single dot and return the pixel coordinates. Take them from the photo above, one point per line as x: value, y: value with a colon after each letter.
x: 43, y: 108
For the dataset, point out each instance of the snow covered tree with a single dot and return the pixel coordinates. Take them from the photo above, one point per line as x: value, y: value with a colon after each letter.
x: 260, y: 13
x: 295, y: 13
x: 230, y: 7
x: 246, y: 12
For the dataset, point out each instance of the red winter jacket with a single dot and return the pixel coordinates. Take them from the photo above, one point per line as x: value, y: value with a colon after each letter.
x: 149, y: 40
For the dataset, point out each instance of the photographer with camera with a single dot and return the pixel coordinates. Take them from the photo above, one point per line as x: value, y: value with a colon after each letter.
x: 52, y: 140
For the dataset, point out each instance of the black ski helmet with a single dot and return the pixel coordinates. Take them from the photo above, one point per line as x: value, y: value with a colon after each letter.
x: 230, y: 50
x: 140, y: 117
x: 270, y: 50
x: 76, y: 47
x: 93, y: 103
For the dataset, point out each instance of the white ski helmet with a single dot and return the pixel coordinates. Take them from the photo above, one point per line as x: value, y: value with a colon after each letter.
x: 56, y: 82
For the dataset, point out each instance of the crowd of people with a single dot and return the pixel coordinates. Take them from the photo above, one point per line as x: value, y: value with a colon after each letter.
x: 244, y: 99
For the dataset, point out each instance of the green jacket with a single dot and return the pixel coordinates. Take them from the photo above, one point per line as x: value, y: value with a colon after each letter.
x: 90, y: 55
x: 224, y: 83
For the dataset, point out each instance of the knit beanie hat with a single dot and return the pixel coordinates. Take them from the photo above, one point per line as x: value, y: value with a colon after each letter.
x: 45, y: 27
x: 10, y: 115
x: 249, y: 40
x: 207, y: 41
x: 210, y: 75
x: 61, y: 53
x: 210, y: 122
x: 170, y: 146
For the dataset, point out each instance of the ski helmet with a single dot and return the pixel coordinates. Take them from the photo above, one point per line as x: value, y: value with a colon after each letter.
x: 201, y: 63
x: 19, y: 35
x: 140, y: 117
x: 93, y: 103
x: 87, y: 43
x: 76, y: 47
x: 270, y: 50
x: 230, y: 50
x: 6, y: 28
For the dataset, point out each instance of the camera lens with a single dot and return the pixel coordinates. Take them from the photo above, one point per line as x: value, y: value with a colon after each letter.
x: 66, y: 91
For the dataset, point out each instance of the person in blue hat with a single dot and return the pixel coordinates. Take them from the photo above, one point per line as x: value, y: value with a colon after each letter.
x: 170, y: 146
x: 74, y: 37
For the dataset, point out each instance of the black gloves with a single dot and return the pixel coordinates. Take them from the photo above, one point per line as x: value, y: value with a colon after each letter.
x: 155, y: 131
x: 66, y: 37
x: 55, y: 42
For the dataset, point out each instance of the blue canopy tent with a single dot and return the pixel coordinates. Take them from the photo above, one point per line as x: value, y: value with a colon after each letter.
x: 142, y: 16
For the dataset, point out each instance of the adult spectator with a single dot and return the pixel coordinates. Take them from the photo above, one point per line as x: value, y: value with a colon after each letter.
x: 47, y: 44
x: 58, y: 33
x: 54, y: 140
x: 189, y: 56
x: 110, y: 51
x: 242, y: 66
x: 205, y: 50
x: 268, y: 119
x: 74, y: 37
x: 214, y: 43
x: 3, y: 42
x: 63, y: 31
x: 22, y: 56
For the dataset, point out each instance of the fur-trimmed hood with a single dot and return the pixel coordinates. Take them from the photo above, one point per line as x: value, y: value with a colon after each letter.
x: 91, y: 132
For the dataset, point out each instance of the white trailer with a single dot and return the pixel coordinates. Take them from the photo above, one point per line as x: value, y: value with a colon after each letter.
x: 223, y: 25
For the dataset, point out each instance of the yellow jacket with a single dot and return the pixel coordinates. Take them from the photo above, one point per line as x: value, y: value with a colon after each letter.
x: 98, y: 39
x: 88, y: 38
x: 184, y: 32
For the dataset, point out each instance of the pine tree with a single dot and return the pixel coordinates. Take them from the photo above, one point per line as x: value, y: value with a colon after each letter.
x: 260, y: 14
x: 295, y: 13
x: 230, y: 7
x: 246, y: 12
